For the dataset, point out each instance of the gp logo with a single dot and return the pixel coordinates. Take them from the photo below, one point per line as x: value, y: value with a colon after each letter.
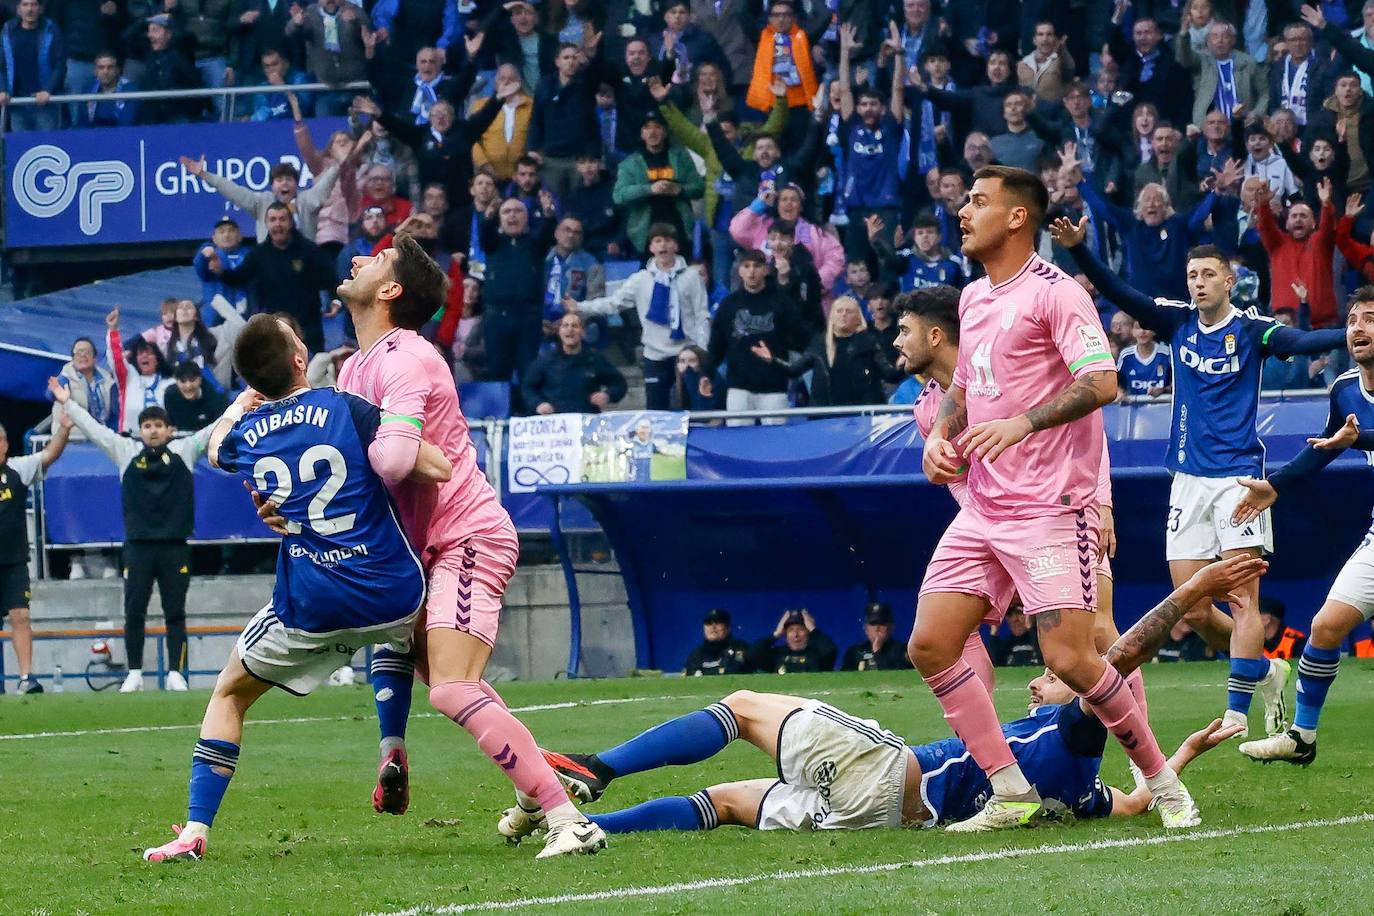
x: 45, y: 182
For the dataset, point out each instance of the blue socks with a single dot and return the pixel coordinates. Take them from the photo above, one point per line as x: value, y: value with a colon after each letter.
x: 212, y: 766
x: 674, y: 813
x: 393, y: 676
x: 1316, y: 671
x: 687, y: 739
x: 1240, y: 687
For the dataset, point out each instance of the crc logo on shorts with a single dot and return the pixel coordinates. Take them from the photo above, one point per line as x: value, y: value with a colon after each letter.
x: 1046, y: 564
x: 45, y: 183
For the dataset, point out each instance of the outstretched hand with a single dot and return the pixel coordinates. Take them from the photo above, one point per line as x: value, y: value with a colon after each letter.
x: 1344, y: 437
x: 59, y: 391
x: 1208, y: 737
x: 1223, y: 580
x: 1067, y: 233
x: 1260, y: 495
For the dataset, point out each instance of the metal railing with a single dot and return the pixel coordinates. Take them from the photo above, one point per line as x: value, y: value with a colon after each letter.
x: 228, y: 93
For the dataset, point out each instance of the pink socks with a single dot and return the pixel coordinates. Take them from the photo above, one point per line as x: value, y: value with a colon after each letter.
x: 969, y: 711
x: 976, y: 654
x: 502, y: 737
x: 1136, y: 682
x: 1116, y: 708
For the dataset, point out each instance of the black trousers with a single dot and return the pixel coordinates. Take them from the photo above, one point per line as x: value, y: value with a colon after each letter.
x: 659, y: 377
x: 168, y: 563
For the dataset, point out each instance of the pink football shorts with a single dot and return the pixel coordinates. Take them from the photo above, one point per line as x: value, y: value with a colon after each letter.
x: 1051, y: 562
x: 466, y: 583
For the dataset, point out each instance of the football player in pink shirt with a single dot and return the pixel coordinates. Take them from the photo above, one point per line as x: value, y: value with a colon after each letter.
x: 928, y: 346
x: 468, y: 546
x: 1022, y: 412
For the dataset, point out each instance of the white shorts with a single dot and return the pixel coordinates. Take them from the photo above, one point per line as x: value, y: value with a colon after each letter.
x: 298, y: 662
x: 835, y: 772
x: 1199, y: 523
x: 1354, y: 584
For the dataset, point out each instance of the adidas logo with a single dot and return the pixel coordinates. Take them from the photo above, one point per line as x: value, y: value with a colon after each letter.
x: 1192, y: 338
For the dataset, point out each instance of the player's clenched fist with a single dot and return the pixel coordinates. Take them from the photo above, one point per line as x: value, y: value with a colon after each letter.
x: 940, y: 461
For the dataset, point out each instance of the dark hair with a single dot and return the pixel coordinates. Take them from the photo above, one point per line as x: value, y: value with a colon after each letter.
x: 937, y: 305
x: 565, y: 45
x: 1025, y: 186
x: 424, y: 285
x: 1363, y: 294
x: 186, y: 371
x: 669, y: 4
x: 784, y: 227
x: 663, y: 231
x: 1209, y: 251
x: 111, y: 55
x: 1077, y: 86
x: 152, y: 414
x: 139, y: 345
x: 1257, y: 130
x: 283, y: 170
x: 751, y: 256
x: 201, y: 335
x: 527, y: 159
x: 1166, y: 125
x: 277, y: 205
x: 85, y: 340
x: 868, y: 92
x: 262, y: 355
x: 925, y: 220
x: 291, y: 323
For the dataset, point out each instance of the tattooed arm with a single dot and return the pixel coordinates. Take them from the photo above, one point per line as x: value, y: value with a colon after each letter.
x: 941, y: 461
x: 1223, y: 580
x: 1087, y: 393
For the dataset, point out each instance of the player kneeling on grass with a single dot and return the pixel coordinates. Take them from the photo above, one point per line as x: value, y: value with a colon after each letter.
x: 842, y: 773
x: 344, y: 570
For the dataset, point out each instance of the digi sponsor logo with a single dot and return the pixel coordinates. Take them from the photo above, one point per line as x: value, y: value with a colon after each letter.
x: 1210, y: 365
x: 45, y: 182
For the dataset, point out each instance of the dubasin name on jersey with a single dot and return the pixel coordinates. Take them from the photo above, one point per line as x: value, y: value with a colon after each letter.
x: 301, y: 413
x: 1213, y: 365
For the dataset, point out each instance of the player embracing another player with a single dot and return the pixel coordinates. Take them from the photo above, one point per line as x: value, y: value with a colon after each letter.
x: 1218, y: 354
x: 1021, y: 415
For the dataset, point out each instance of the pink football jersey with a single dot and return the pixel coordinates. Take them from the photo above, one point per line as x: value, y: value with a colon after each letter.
x: 925, y: 410
x: 1022, y: 343
x: 402, y: 374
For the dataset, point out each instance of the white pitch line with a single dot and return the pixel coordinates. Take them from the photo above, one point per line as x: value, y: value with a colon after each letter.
x: 842, y: 870
x: 137, y: 729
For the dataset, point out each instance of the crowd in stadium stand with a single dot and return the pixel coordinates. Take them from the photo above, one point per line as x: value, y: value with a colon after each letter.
x: 759, y: 179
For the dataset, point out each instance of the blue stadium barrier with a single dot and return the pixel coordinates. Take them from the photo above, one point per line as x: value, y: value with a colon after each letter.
x: 831, y: 544
x: 485, y: 400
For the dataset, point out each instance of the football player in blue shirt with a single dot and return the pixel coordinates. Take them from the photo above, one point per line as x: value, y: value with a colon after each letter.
x: 1351, y: 599
x: 1218, y: 356
x: 837, y: 772
x: 1143, y: 369
x: 346, y: 575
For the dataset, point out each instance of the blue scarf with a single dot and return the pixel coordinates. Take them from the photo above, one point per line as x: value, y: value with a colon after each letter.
x: 553, y: 290
x: 475, y: 253
x: 664, y: 307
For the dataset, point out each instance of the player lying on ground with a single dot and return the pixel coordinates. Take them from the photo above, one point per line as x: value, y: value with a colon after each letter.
x: 346, y: 576
x: 1351, y: 599
x: 928, y: 346
x: 1219, y: 353
x: 839, y: 772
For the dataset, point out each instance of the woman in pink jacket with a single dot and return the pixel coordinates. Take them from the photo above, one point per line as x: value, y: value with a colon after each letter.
x: 749, y: 229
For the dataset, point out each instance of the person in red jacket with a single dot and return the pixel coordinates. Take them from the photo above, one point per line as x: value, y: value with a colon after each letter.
x: 1357, y: 254
x: 1301, y: 254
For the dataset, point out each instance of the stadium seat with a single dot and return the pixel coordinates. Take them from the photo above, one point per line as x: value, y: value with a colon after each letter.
x: 485, y: 400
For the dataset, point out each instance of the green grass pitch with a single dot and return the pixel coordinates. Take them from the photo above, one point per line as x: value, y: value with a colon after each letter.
x: 297, y: 833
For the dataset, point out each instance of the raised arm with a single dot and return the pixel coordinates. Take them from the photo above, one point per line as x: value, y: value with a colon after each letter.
x: 847, y: 39
x: 121, y: 450
x: 1284, y: 342
x: 1154, y: 317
